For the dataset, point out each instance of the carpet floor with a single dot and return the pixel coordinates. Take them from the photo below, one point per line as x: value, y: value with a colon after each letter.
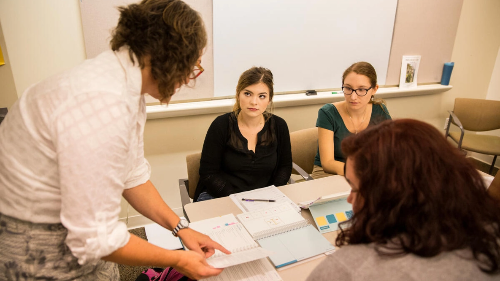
x: 130, y: 273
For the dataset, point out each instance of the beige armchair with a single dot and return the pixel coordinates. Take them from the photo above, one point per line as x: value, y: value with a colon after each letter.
x: 187, y: 187
x: 304, y: 148
x: 3, y: 113
x: 476, y: 115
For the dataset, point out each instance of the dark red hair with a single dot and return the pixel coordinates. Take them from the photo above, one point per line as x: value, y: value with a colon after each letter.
x: 420, y: 195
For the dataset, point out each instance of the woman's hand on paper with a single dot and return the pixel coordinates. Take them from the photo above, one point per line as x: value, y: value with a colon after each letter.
x: 193, y: 265
x: 200, y: 243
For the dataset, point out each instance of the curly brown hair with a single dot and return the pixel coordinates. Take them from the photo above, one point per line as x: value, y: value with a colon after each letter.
x: 419, y: 195
x: 170, y: 32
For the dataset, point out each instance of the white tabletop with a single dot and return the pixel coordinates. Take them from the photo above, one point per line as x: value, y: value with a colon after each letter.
x: 298, y: 192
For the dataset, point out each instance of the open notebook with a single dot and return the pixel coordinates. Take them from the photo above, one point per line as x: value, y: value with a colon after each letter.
x: 285, y: 232
x: 247, y: 260
x: 330, y: 210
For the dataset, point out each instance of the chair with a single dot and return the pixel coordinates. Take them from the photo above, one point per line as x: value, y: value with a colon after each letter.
x: 304, y: 148
x: 3, y: 113
x: 476, y: 115
x: 187, y: 187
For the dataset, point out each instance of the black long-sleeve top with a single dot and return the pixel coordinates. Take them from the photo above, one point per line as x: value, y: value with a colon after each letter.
x: 227, y: 166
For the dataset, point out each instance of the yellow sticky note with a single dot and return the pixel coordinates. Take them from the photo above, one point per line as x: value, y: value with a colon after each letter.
x: 341, y: 217
x: 321, y: 221
x: 2, y: 61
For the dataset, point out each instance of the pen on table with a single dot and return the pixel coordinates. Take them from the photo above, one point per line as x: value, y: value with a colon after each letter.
x: 263, y: 200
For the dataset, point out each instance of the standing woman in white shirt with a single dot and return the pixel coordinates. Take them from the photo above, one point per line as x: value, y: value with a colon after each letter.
x: 72, y: 145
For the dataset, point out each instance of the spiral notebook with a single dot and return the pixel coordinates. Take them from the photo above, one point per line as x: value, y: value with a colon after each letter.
x: 247, y: 261
x: 285, y: 232
x: 227, y: 231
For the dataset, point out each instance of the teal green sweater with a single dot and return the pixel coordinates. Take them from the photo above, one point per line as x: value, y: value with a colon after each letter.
x: 329, y: 118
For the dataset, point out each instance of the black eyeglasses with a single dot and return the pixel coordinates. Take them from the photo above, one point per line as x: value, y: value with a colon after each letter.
x: 360, y: 92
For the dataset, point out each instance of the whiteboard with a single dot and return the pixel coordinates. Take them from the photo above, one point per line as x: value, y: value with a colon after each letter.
x: 307, y: 44
x: 100, y: 17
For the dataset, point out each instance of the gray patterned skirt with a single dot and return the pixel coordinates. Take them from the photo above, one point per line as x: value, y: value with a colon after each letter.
x: 34, y: 251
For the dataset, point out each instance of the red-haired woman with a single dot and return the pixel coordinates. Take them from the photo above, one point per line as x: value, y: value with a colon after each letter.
x: 421, y: 210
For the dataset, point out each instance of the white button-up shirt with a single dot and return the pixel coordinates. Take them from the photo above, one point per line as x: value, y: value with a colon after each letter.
x: 70, y: 146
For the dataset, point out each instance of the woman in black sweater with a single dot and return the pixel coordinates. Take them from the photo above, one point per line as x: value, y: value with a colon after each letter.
x: 249, y: 147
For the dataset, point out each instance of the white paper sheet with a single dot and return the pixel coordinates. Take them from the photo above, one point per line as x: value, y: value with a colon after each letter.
x: 270, y: 193
x: 162, y: 237
x: 261, y: 270
x: 224, y: 261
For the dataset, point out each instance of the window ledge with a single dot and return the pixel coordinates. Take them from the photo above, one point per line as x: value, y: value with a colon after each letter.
x: 287, y: 100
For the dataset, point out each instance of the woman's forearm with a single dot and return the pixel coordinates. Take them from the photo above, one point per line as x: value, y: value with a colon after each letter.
x: 141, y: 253
x: 333, y: 167
x: 147, y: 201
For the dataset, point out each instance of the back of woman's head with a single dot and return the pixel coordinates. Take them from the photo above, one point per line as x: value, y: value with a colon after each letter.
x: 253, y: 76
x: 169, y: 32
x: 420, y: 195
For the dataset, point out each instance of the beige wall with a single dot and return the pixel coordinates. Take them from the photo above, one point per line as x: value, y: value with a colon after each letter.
x: 493, y: 94
x: 417, y: 24
x: 8, y: 94
x: 494, y: 87
x: 475, y: 51
x: 42, y: 37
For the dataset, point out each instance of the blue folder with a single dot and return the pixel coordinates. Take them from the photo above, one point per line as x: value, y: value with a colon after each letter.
x: 295, y: 245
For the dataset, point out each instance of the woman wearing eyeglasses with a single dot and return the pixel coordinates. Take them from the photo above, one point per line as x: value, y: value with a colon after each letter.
x: 421, y: 210
x: 336, y: 121
x: 72, y: 146
x: 248, y: 148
